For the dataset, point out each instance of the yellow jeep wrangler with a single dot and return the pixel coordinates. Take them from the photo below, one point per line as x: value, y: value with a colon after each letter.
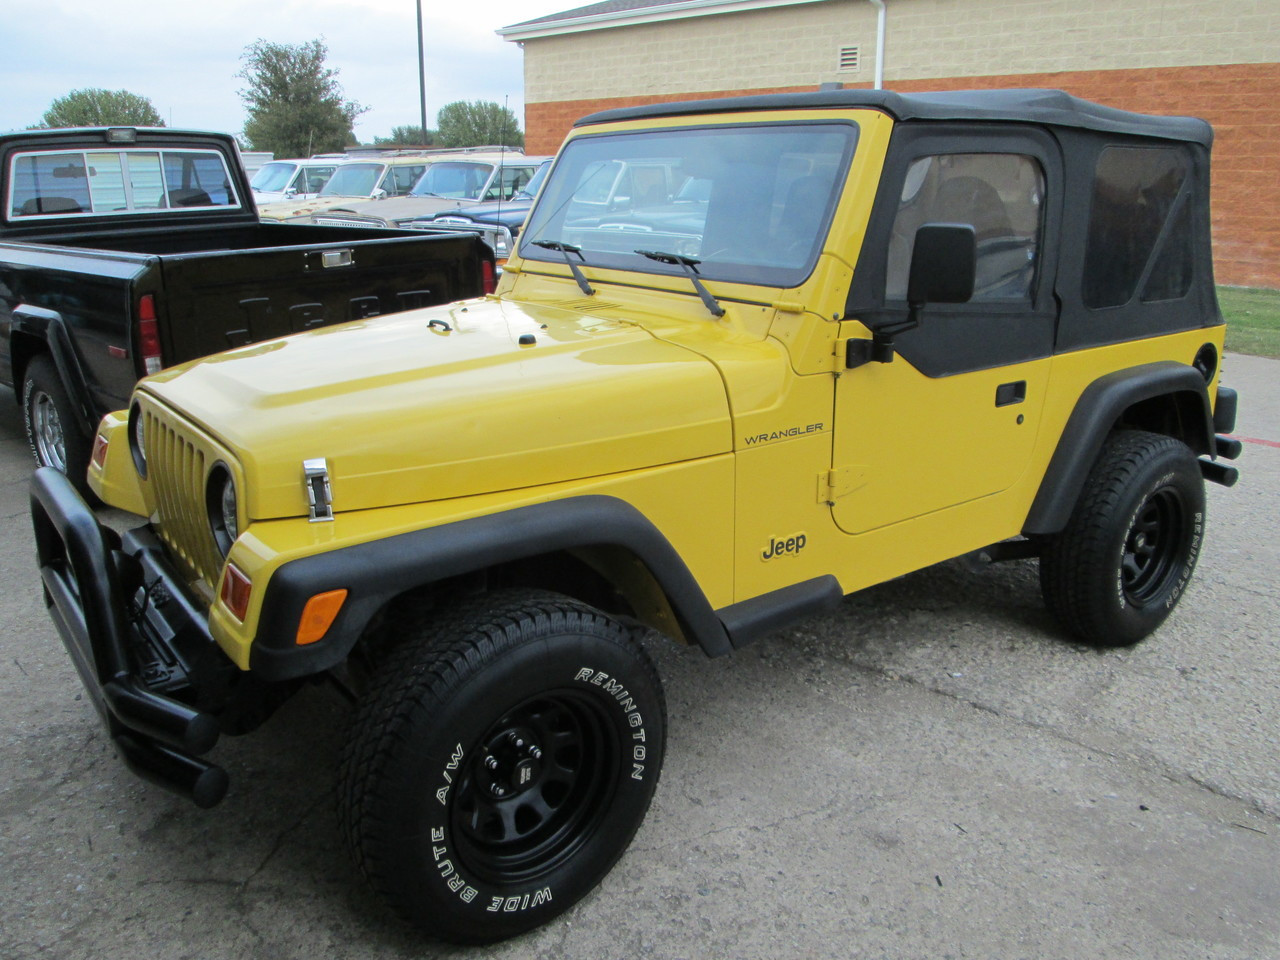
x: 750, y: 356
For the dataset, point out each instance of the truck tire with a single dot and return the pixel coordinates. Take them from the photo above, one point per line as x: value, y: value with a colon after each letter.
x: 53, y: 428
x: 501, y: 762
x: 1130, y: 546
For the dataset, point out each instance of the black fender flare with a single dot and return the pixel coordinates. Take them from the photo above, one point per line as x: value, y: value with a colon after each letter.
x: 1099, y: 408
x: 49, y: 327
x: 377, y: 571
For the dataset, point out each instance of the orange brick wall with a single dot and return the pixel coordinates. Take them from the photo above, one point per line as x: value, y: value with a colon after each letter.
x: 1242, y: 101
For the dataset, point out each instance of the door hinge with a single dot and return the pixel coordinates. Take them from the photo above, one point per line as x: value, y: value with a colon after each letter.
x: 840, y: 482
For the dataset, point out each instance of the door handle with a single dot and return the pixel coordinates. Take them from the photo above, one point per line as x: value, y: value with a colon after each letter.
x: 1008, y: 394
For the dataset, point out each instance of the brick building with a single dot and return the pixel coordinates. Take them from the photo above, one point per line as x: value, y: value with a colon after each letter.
x: 1214, y: 60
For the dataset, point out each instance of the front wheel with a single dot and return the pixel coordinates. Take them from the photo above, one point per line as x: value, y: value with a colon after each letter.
x: 1124, y: 559
x: 502, y: 762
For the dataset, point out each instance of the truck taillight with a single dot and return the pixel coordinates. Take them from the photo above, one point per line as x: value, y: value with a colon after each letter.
x: 149, y: 334
x: 488, y: 276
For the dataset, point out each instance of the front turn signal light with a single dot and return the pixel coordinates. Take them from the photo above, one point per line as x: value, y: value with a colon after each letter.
x: 318, y: 616
x: 235, y: 591
x: 99, y: 458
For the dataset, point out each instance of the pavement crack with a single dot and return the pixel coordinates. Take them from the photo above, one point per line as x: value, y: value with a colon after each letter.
x: 279, y: 843
x: 1148, y: 761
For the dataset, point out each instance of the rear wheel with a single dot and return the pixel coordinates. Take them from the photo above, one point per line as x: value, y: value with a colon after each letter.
x: 501, y: 763
x: 1124, y: 559
x: 53, y: 429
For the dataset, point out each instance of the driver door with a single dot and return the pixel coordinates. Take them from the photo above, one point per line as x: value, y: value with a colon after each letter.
x: 952, y: 419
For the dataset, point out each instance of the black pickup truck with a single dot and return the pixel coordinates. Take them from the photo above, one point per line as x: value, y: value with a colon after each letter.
x: 124, y: 251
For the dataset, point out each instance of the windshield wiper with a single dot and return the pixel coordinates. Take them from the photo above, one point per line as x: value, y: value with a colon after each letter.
x: 566, y: 249
x: 690, y: 267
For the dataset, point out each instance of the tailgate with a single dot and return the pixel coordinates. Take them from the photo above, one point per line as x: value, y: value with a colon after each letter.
x: 227, y: 298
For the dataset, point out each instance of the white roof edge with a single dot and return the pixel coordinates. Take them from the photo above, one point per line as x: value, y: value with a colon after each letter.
x: 628, y: 18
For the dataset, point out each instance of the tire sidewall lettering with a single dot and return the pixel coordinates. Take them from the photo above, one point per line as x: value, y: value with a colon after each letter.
x: 621, y: 694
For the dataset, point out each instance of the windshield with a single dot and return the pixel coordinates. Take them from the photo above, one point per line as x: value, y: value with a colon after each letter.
x: 353, y: 180
x: 459, y: 180
x: 273, y: 177
x: 530, y: 189
x: 750, y: 204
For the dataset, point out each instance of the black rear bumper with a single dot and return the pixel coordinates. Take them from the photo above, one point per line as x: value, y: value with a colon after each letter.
x: 130, y: 628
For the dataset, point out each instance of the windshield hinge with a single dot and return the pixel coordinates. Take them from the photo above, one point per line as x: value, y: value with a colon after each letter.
x: 319, y: 492
x: 788, y: 306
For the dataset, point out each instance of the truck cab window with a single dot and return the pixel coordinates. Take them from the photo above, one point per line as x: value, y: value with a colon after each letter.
x: 55, y: 183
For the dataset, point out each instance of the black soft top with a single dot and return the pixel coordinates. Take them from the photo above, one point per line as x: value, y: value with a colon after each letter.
x: 1050, y: 107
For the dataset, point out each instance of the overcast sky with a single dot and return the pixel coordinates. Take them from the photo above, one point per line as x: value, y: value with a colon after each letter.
x: 184, y: 57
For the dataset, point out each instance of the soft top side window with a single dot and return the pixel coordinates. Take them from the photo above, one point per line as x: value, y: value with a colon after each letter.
x: 1139, y: 227
x: 1000, y: 194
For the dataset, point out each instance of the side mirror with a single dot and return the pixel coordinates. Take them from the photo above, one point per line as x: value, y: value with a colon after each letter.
x: 944, y: 263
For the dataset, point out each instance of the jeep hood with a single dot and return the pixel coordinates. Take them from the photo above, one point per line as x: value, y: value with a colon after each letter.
x: 448, y: 402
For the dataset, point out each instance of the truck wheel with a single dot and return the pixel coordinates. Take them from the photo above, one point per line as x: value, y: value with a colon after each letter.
x: 501, y: 763
x: 1126, y: 555
x: 52, y: 425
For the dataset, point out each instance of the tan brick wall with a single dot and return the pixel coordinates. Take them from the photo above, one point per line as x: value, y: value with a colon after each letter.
x: 1242, y: 101
x: 798, y: 45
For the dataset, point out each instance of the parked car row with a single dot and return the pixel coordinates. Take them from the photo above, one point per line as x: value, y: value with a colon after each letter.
x: 448, y: 181
x: 487, y: 192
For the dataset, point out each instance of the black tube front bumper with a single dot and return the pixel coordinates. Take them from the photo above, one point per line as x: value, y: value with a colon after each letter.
x: 129, y: 626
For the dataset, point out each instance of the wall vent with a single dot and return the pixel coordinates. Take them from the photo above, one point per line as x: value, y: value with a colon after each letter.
x: 850, y: 60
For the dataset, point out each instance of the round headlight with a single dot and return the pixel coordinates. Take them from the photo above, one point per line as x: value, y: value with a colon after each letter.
x: 220, y: 502
x: 137, y: 440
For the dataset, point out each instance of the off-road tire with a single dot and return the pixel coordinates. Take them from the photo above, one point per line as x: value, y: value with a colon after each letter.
x: 500, y: 763
x: 1124, y: 559
x: 52, y: 424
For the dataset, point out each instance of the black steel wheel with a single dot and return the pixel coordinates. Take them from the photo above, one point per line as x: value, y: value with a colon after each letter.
x: 1154, y: 545
x: 539, y: 783
x: 504, y: 757
x: 53, y: 429
x: 1120, y: 566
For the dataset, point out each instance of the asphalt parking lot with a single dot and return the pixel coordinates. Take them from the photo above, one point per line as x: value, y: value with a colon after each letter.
x: 929, y: 772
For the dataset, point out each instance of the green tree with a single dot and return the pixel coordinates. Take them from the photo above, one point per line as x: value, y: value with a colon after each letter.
x: 295, y: 103
x: 472, y: 123
x: 101, y: 108
x: 411, y: 136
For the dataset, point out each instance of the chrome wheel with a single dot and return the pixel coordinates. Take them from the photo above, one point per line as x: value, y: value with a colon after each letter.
x: 46, y: 432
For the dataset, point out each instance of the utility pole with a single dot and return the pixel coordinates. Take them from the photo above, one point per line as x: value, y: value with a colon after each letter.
x: 422, y: 76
